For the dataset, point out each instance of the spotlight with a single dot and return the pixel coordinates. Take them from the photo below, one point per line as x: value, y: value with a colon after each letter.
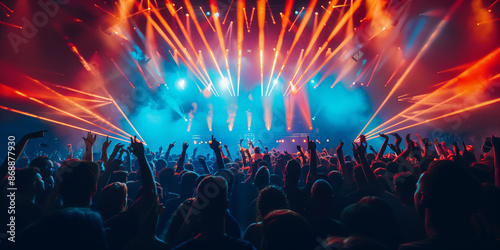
x: 208, y: 13
x: 182, y: 83
x: 327, y: 140
x: 304, y: 140
x: 296, y: 12
x: 216, y: 14
x: 310, y: 128
x: 224, y: 82
x: 187, y: 15
x: 293, y: 140
x: 275, y: 81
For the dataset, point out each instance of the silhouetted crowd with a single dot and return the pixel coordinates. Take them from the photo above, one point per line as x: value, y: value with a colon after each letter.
x: 425, y: 195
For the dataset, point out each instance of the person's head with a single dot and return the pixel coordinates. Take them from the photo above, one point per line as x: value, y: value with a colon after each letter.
x: 270, y: 198
x: 69, y: 228
x: 359, y: 177
x: 267, y: 158
x: 360, y: 219
x: 113, y: 200
x: 160, y: 165
x: 256, y: 150
x: 29, y: 182
x: 187, y: 184
x: 336, y: 181
x: 211, y: 199
x: 321, y: 198
x: 44, y: 165
x: 285, y: 229
x: 404, y: 187
x: 262, y: 178
x: 292, y: 173
x: 229, y: 177
x: 446, y: 196
x: 78, y: 183
x: 167, y: 178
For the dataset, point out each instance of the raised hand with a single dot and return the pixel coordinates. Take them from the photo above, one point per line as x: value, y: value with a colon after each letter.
x: 117, y: 148
x: 339, y: 147
x: 202, y: 161
x: 392, y: 147
x: 225, y: 146
x: 371, y: 148
x: 160, y: 148
x: 36, y: 134
x: 311, y: 145
x: 185, y: 145
x: 136, y: 146
x: 384, y: 136
x: 89, y: 140
x: 171, y: 145
x: 214, y: 144
x: 299, y: 148
x: 106, y: 144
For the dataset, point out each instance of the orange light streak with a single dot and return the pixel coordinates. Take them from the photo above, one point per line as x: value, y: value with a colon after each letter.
x: 187, y: 36
x: 240, y: 9
x: 82, y: 60
x: 251, y: 19
x: 214, y: 8
x: 80, y: 106
x: 480, y: 64
x: 374, y: 70
x: 489, y: 21
x: 261, y: 16
x: 11, y: 25
x: 288, y: 10
x: 177, y: 41
x: 202, y: 11
x: 395, y: 72
x: 295, y: 20
x: 5, y: 6
x: 246, y: 18
x: 78, y: 91
x: 337, y: 28
x: 310, y: 10
x: 190, y: 9
x: 58, y: 122
x: 170, y: 43
x: 60, y: 110
x: 330, y: 57
x: 430, y: 39
x: 270, y: 11
x: 123, y: 74
x: 227, y: 12
x: 107, y: 12
x: 446, y: 115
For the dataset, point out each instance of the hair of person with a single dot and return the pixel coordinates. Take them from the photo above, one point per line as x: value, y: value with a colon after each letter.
x: 270, y: 198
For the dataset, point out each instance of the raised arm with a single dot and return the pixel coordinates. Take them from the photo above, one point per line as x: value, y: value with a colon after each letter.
x: 17, y: 149
x: 104, y: 150
x: 346, y: 172
x: 299, y: 148
x: 215, y: 146
x: 148, y: 196
x: 495, y: 141
x: 170, y: 146
x: 367, y: 170
x: 179, y: 166
x: 380, y: 154
x: 313, y: 164
x: 398, y: 141
x: 227, y: 151
x: 89, y: 142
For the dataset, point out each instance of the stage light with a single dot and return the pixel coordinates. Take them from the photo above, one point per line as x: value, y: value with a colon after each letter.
x: 182, y: 83
x: 327, y: 140
x: 316, y: 13
x: 304, y: 140
x: 288, y: 128
x: 310, y: 128
x: 296, y: 12
x: 293, y: 140
x: 216, y: 14
x: 195, y: 142
x: 312, y: 81
x: 187, y: 15
x: 275, y: 81
x: 208, y: 13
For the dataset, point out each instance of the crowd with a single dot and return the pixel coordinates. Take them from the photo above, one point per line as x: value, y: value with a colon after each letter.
x: 425, y: 196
